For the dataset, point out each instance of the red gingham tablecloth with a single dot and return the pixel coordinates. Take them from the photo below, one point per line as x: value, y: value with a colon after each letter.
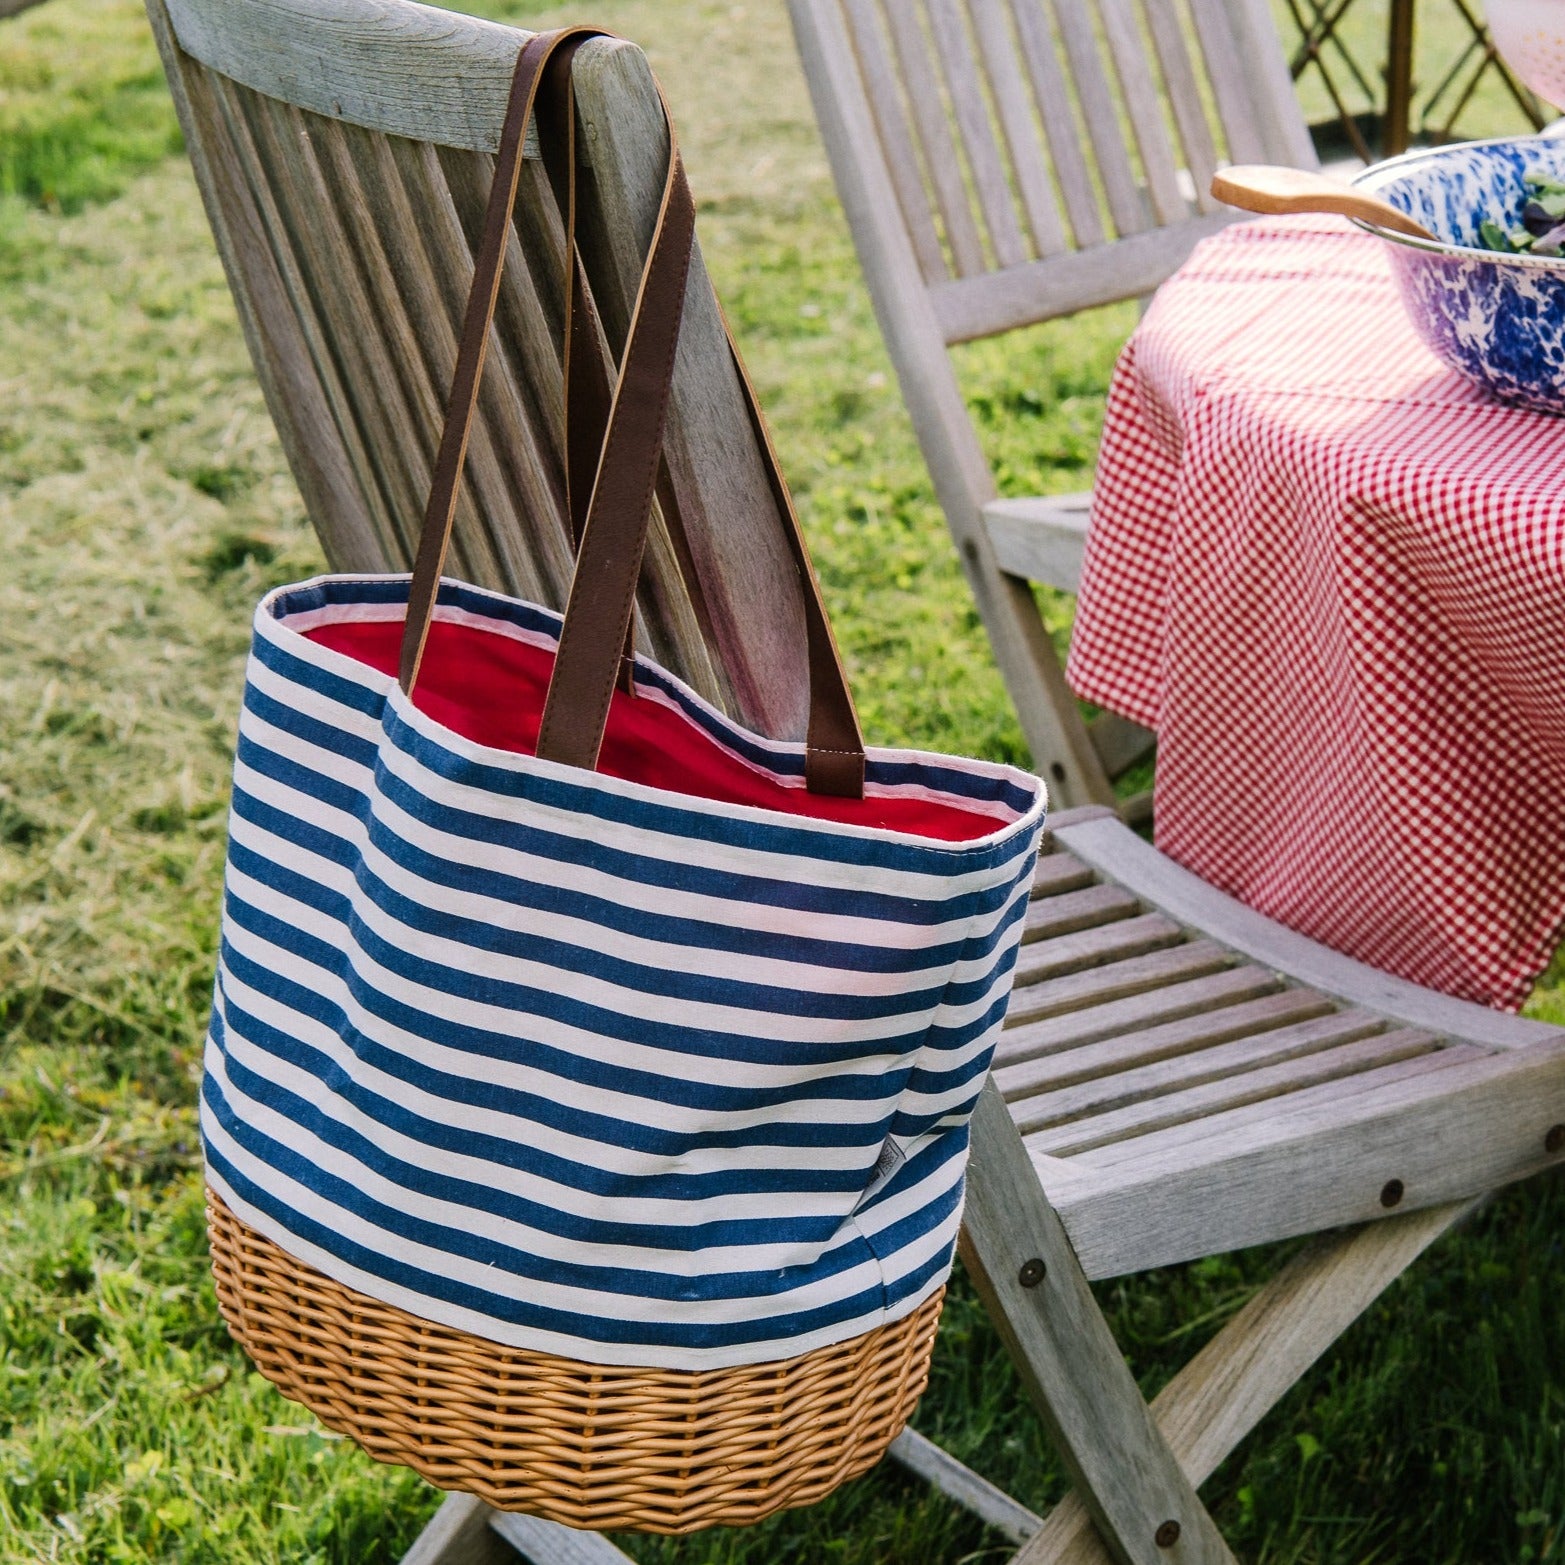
x: 1331, y: 575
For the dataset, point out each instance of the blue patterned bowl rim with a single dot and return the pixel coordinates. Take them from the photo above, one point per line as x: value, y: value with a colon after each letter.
x: 1378, y: 174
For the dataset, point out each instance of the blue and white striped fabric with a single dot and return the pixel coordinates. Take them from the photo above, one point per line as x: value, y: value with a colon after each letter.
x: 580, y: 1065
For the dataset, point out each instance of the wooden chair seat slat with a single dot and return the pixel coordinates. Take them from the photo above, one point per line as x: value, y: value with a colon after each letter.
x: 1087, y: 948
x: 1036, y: 999
x: 1144, y: 1051
x: 1236, y: 1082
x: 1070, y: 911
x: 1118, y: 1017
x: 1181, y: 1144
x: 1058, y: 872
x: 1134, y: 1062
x: 1075, y: 1080
x: 1418, y: 1133
x: 1119, y: 855
x: 1301, y: 1162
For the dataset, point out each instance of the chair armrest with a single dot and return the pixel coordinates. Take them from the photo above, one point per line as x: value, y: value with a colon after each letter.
x: 1042, y: 538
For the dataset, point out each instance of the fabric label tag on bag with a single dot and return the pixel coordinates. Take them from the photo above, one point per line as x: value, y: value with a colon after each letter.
x: 892, y: 1156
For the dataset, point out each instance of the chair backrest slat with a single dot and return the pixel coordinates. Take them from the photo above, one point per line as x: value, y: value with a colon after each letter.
x: 401, y: 282
x: 1231, y: 90
x: 433, y: 218
x: 1140, y: 96
x: 1184, y: 100
x: 1059, y: 124
x: 1014, y: 107
x: 1084, y: 63
x: 303, y: 383
x: 344, y: 277
x: 976, y: 132
x: 395, y: 193
x: 344, y: 154
x: 896, y: 142
x: 935, y: 138
x: 1019, y: 135
x: 309, y: 233
x: 1285, y: 135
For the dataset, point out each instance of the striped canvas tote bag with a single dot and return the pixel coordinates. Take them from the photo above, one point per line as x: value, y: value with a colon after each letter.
x: 555, y: 1007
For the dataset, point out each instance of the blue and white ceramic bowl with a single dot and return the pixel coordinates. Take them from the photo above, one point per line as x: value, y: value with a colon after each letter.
x: 1497, y: 319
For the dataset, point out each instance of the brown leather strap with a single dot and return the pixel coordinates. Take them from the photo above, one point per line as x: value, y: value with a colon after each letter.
x: 834, y: 745
x: 589, y: 393
x: 611, y: 524
x: 608, y: 563
x: 440, y: 511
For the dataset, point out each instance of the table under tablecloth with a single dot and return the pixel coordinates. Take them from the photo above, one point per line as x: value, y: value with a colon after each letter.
x: 1331, y: 575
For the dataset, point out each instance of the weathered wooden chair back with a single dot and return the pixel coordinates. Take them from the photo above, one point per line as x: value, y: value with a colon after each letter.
x: 343, y: 152
x: 1178, y: 1077
x: 1003, y: 162
x: 1051, y: 155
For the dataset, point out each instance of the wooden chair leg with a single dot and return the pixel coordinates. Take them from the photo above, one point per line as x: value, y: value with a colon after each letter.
x: 938, y: 1468
x: 1016, y: 1248
x: 1227, y: 1388
x: 548, y: 1543
x: 465, y: 1531
x: 459, y: 1534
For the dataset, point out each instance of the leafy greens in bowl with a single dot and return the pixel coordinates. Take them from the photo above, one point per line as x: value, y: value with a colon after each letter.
x: 1540, y: 230
x: 1496, y: 316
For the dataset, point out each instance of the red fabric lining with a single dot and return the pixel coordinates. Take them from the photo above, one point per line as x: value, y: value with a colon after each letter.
x: 490, y: 689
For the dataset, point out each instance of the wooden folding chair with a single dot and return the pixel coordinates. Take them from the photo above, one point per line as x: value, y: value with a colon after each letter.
x: 343, y: 152
x: 1179, y: 1077
x: 981, y: 151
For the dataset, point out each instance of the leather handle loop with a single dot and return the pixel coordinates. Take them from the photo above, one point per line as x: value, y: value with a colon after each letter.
x: 610, y: 524
x: 589, y: 393
x: 834, y: 744
x: 440, y: 510
x: 613, y: 539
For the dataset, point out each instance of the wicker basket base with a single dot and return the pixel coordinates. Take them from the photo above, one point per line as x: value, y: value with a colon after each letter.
x: 647, y: 1450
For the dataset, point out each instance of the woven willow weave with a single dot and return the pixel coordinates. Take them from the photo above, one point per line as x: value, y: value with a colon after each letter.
x: 648, y: 1450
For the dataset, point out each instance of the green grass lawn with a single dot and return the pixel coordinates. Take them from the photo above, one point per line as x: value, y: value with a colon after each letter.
x: 144, y: 505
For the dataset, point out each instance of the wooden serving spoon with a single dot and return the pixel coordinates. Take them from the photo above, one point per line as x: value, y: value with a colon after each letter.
x: 1264, y: 187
